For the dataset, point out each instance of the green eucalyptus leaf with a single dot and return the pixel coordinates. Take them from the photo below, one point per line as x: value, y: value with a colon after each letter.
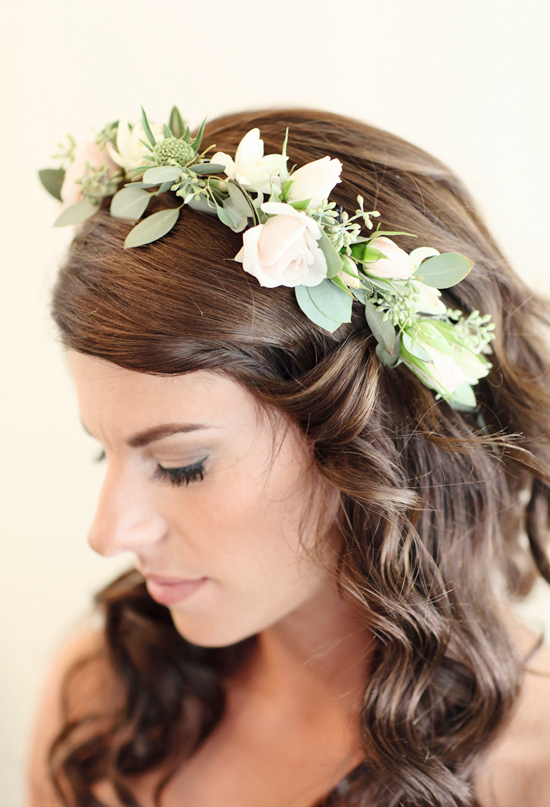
x: 240, y: 199
x: 164, y: 173
x: 203, y: 205
x: 77, y: 213
x: 224, y: 217
x: 141, y: 185
x: 238, y: 221
x: 147, y: 129
x: 333, y: 258
x: 391, y: 359
x: 382, y: 330
x: 360, y: 295
x: 152, y: 228
x: 196, y: 144
x: 463, y: 399
x: 444, y: 271
x: 129, y: 203
x: 312, y: 312
x: 164, y: 187
x: 52, y: 180
x: 176, y: 123
x: 332, y: 301
x: 207, y: 168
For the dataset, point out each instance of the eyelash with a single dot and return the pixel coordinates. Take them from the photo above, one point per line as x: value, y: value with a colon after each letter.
x: 181, y: 476
x: 174, y: 476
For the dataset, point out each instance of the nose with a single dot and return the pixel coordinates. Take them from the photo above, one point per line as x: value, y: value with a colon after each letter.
x: 126, y: 519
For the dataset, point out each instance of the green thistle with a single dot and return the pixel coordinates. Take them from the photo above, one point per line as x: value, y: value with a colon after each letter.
x: 172, y: 151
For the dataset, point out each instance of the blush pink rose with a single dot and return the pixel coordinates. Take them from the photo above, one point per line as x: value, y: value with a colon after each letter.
x: 85, y: 153
x: 397, y: 262
x: 284, y: 251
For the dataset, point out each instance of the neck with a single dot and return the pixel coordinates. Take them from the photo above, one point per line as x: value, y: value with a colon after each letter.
x: 319, y: 653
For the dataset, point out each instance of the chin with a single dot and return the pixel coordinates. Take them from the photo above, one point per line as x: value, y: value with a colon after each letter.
x: 211, y: 633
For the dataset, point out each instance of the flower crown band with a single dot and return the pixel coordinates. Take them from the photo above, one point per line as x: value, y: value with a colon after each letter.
x: 292, y: 236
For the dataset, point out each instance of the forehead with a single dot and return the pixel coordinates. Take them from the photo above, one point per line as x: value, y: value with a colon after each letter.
x: 118, y: 396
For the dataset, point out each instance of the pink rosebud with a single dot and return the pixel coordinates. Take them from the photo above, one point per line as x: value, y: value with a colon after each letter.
x: 396, y: 263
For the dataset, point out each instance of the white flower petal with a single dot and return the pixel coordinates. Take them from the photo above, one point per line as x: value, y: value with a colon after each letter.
x: 421, y: 253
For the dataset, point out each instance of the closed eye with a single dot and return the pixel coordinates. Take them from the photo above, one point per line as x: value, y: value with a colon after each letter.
x: 181, y: 476
x: 174, y: 476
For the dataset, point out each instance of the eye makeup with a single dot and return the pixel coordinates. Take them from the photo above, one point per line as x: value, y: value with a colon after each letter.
x: 181, y: 476
x: 176, y: 477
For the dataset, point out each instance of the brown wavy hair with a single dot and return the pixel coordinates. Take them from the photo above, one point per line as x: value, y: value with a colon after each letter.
x: 435, y: 505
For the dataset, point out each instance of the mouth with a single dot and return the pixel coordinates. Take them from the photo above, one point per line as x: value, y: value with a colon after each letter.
x: 169, y: 590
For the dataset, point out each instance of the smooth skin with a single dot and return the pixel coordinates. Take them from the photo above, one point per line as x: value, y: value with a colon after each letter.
x: 247, y: 522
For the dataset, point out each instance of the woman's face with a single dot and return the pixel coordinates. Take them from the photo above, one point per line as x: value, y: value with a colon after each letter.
x: 208, y: 496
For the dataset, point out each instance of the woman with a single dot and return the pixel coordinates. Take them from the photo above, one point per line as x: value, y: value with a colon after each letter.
x: 324, y: 545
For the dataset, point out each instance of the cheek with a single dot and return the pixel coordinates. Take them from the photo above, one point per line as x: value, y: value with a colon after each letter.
x: 250, y: 539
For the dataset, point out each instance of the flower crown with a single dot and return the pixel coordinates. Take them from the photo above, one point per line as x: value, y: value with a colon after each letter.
x: 292, y: 236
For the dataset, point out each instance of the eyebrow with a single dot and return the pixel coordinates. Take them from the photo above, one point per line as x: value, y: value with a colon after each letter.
x: 143, y: 438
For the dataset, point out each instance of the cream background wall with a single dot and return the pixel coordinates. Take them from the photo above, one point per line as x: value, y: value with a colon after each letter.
x: 467, y: 81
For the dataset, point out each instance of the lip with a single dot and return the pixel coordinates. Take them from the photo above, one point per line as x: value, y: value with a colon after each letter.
x: 169, y: 590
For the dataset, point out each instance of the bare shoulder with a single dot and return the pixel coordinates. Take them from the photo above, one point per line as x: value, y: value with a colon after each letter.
x: 517, y: 769
x: 77, y: 679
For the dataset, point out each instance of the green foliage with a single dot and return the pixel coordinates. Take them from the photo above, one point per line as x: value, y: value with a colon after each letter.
x: 312, y: 312
x: 391, y: 359
x: 130, y: 203
x: 302, y: 205
x: 224, y: 217
x: 176, y: 123
x: 196, y: 144
x: 77, y: 213
x: 382, y: 329
x: 241, y: 200
x: 52, y: 180
x: 163, y: 173
x: 147, y: 129
x: 463, y: 398
x: 207, y: 168
x: 332, y: 301
x: 333, y: 258
x: 444, y: 271
x: 152, y: 228
x: 363, y: 253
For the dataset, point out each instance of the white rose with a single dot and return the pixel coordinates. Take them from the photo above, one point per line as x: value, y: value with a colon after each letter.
x: 470, y: 364
x: 284, y: 251
x: 427, y: 301
x: 130, y: 151
x: 396, y: 263
x: 85, y: 154
x: 250, y: 168
x: 444, y: 369
x: 315, y: 181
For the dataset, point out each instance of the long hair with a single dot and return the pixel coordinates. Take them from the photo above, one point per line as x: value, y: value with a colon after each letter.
x: 434, y: 504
